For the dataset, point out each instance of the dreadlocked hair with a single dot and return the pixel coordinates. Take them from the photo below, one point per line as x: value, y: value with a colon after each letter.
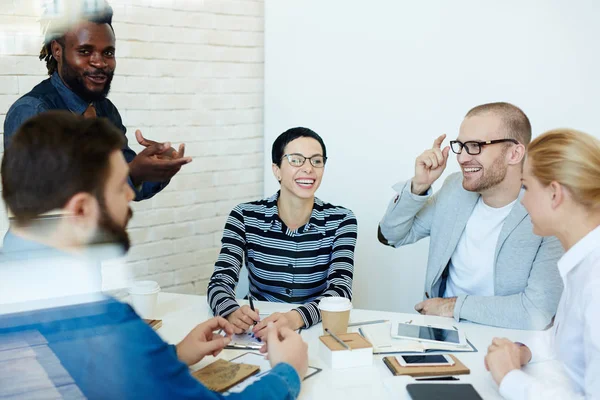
x: 46, y: 55
x: 102, y: 14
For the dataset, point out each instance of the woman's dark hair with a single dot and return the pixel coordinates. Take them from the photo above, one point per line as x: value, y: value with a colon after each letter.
x: 286, y: 137
x: 54, y: 156
x: 55, y: 31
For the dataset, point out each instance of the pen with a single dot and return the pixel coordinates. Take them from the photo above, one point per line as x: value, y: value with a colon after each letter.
x: 439, y: 378
x: 379, y: 321
x: 337, y: 339
x: 251, y: 306
x: 426, y: 294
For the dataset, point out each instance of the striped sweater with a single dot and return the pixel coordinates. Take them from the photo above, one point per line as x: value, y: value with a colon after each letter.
x: 300, y: 266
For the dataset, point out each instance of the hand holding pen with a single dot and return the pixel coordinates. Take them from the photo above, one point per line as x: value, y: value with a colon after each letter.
x: 244, y: 317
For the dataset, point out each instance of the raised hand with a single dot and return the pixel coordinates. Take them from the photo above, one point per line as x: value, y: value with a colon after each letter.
x: 168, y: 154
x: 429, y: 166
x: 158, y: 162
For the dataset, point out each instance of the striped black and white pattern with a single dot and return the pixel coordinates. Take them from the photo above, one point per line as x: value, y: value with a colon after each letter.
x: 301, y: 266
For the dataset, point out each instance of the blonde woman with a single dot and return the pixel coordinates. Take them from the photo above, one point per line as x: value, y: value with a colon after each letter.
x: 562, y: 182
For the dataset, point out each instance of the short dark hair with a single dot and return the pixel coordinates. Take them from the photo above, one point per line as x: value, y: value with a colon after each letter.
x: 286, y: 137
x: 103, y: 14
x: 515, y: 120
x: 54, y: 156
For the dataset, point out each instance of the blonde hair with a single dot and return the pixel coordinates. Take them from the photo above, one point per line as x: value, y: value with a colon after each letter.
x: 571, y: 158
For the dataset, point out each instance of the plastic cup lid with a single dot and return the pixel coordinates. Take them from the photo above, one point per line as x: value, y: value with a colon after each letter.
x: 334, y: 304
x: 144, y: 287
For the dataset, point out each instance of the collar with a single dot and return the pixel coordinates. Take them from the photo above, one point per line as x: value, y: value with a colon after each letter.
x: 13, y: 244
x: 316, y: 222
x: 579, y: 252
x: 75, y: 103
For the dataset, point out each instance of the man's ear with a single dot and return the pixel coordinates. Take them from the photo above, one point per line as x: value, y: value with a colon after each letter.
x: 517, y: 154
x: 85, y: 210
x: 57, y: 50
x: 277, y: 172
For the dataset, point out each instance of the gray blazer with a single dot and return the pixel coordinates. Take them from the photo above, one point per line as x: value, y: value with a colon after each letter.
x: 527, y: 284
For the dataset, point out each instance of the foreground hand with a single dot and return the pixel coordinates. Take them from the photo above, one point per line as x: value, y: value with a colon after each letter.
x: 286, y: 346
x: 243, y: 318
x: 290, y: 319
x: 158, y: 162
x: 202, y: 341
x: 429, y: 166
x: 437, y: 306
x: 503, y: 356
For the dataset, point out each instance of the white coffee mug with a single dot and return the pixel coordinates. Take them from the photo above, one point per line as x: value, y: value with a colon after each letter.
x: 144, y: 295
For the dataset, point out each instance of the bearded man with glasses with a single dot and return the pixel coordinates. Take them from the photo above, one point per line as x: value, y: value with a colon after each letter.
x: 485, y: 265
x: 296, y: 247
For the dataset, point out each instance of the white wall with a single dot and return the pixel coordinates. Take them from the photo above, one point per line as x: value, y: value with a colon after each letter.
x: 380, y: 79
x: 187, y: 71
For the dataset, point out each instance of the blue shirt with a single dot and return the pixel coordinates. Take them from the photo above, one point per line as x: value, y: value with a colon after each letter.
x: 102, y: 349
x: 53, y: 94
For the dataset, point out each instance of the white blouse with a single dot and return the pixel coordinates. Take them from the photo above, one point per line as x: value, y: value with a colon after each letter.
x: 576, y: 330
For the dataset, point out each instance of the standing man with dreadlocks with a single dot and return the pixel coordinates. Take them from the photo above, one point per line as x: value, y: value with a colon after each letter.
x: 81, y: 63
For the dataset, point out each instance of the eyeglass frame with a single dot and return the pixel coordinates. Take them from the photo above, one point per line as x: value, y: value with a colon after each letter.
x: 305, y: 158
x: 480, y: 144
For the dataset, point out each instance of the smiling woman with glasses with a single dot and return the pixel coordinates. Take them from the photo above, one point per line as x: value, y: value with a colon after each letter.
x: 297, y: 248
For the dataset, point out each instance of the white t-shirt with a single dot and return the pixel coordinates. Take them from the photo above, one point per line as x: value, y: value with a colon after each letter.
x: 472, y: 263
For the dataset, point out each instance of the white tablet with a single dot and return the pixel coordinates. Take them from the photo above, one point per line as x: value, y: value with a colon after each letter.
x: 429, y: 334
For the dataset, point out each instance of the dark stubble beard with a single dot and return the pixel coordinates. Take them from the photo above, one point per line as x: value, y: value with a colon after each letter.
x: 75, y: 81
x: 493, y: 175
x: 110, y: 232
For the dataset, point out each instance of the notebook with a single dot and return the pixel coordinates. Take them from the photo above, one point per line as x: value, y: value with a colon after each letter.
x: 440, y: 370
x: 442, y: 391
x: 383, y: 343
x: 222, y: 374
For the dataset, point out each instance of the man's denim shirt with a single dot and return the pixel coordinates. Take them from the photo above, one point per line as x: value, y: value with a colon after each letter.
x: 53, y: 94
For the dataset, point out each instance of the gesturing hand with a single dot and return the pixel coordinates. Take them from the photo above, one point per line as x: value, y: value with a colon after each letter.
x: 158, y: 162
x: 429, y: 166
x: 202, y: 341
x: 285, y: 345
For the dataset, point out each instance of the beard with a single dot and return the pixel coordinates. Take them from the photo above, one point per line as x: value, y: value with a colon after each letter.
x: 492, y: 176
x: 76, y: 82
x: 110, y: 232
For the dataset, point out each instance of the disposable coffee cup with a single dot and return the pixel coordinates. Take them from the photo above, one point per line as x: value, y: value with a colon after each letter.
x: 335, y: 312
x: 144, y: 295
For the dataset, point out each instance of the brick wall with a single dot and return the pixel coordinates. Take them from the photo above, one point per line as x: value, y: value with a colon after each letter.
x: 187, y: 71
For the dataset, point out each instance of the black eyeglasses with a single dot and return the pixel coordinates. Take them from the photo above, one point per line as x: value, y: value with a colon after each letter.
x: 298, y: 160
x: 473, y: 147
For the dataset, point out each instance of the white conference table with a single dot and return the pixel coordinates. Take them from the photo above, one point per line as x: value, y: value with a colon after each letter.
x: 180, y: 313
